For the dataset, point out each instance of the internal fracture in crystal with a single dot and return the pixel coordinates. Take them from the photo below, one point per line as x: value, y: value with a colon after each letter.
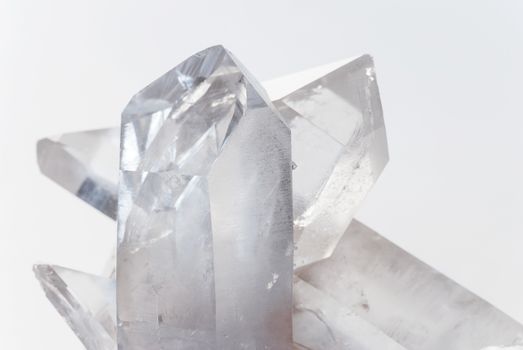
x: 339, y: 147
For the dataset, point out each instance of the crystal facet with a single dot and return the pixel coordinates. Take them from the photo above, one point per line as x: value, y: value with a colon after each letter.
x: 340, y: 149
x: 87, y: 302
x: 205, y: 213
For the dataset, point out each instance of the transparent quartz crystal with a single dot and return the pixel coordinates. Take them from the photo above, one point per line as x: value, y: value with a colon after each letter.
x: 405, y: 299
x: 339, y: 148
x: 205, y: 213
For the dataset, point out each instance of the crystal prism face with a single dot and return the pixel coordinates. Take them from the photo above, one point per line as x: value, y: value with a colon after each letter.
x: 411, y: 303
x: 84, y: 163
x: 87, y: 303
x: 205, y: 213
x: 339, y: 147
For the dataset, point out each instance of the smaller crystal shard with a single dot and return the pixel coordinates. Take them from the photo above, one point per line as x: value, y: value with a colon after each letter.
x: 85, y: 164
x: 87, y: 303
x: 407, y: 300
x: 321, y: 323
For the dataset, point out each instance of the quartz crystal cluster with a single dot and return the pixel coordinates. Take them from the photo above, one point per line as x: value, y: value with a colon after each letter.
x: 235, y: 202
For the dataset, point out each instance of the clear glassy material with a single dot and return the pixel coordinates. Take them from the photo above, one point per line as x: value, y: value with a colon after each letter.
x: 207, y: 213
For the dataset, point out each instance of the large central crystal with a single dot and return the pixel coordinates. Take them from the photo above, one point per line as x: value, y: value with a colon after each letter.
x: 205, y: 213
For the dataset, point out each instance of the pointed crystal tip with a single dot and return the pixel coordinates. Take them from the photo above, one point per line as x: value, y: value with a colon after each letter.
x: 85, y: 301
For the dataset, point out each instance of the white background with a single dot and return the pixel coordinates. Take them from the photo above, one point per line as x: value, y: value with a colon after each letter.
x: 450, y: 76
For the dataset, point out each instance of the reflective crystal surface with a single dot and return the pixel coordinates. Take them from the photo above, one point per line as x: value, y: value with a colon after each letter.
x: 205, y: 213
x: 87, y: 303
x: 404, y: 298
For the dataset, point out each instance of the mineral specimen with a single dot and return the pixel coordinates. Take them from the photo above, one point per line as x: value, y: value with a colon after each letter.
x: 205, y: 222
x: 356, y: 300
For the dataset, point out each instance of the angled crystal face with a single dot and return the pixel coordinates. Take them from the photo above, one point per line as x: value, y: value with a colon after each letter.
x: 84, y: 163
x: 87, y: 303
x: 407, y: 300
x: 339, y: 147
x: 205, y: 213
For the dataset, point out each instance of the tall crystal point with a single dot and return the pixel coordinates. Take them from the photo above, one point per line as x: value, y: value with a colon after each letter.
x: 339, y: 147
x: 205, y: 213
